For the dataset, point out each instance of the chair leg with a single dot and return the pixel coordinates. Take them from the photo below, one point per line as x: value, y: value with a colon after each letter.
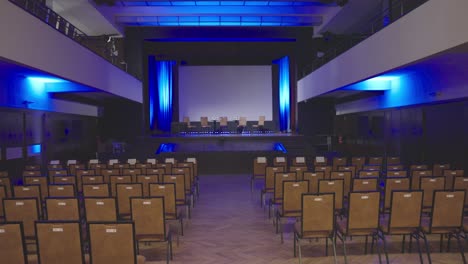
x: 326, y: 247
x: 410, y: 244
x: 344, y: 250
x: 403, y: 244
x: 460, y: 247
x: 427, y: 246
x: 441, y: 242
x: 333, y: 238
x: 384, y: 247
x: 299, y: 249
x: 372, y: 245
x: 365, y: 246
x: 168, y: 254
x: 294, y: 244
x: 374, y: 237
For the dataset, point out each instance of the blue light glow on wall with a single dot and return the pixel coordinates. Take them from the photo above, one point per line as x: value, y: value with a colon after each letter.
x: 160, y: 93
x: 34, y: 149
x: 284, y: 93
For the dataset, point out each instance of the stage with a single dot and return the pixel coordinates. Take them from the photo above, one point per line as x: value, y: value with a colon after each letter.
x: 219, y: 153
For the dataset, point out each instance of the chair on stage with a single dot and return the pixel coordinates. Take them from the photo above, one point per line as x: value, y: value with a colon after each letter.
x: 242, y: 124
x: 188, y: 127
x: 260, y: 125
x: 223, y: 124
x: 205, y: 127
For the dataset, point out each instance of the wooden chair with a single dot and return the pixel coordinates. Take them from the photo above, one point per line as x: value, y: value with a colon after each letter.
x: 394, y: 184
x: 5, y: 181
x: 414, y: 167
x: 397, y: 173
x: 32, y: 167
x: 12, y: 246
x: 79, y: 177
x: 64, y: 180
x: 317, y: 221
x: 405, y: 218
x: 320, y: 161
x: 416, y: 175
x: 145, y: 181
x: 428, y: 185
x: 292, y: 199
x: 167, y: 167
x: 325, y: 169
x: 59, y: 241
x: 449, y: 177
x: 36, y: 173
x: 150, y: 222
x: 368, y: 174
x: 187, y: 181
x: 299, y: 171
x: 124, y: 192
x: 24, y: 210
x: 159, y: 171
x: 121, y: 166
x: 113, y: 242
x: 299, y: 161
x: 114, y: 180
x: 313, y: 178
x: 351, y: 169
x: 393, y: 160
x: 395, y: 167
x: 375, y: 161
x: 269, y: 182
x: 30, y: 191
x: 3, y: 195
x: 447, y: 217
x: 53, y: 173
x: 168, y: 190
x: 96, y: 190
x: 362, y: 220
x: 107, y: 173
x: 260, y: 125
x: 143, y: 166
x: 132, y: 172
x: 91, y: 179
x: 62, y: 209
x: 62, y: 190
x: 365, y: 185
x: 100, y: 209
x: 172, y: 161
x: 188, y: 127
x: 438, y: 169
x: 335, y: 187
x: 372, y: 167
x: 461, y: 183
x: 72, y: 168
x: 98, y: 168
x: 179, y: 181
x: 346, y: 177
x: 277, y: 199
x: 339, y: 161
x: 358, y: 162
x: 280, y: 161
x: 41, y: 181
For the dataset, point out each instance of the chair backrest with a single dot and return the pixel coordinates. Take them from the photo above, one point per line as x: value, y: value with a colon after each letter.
x: 38, y: 180
x: 346, y: 177
x: 223, y: 121
x: 100, y: 209
x: 187, y: 179
x: 280, y: 161
x: 313, y: 178
x: 261, y: 120
x: 280, y: 177
x: 124, y: 192
x: 438, y: 169
x: 351, y: 169
x: 447, y: 210
x: 143, y: 166
x: 339, y: 161
x: 179, y: 181
x: 204, y: 121
x: 325, y: 169
x: 25, y: 210
x: 299, y: 161
x: 186, y: 120
x: 156, y: 171
x: 29, y: 191
x: 416, y: 175
x: 259, y: 165
x: 450, y: 176
x: 12, y: 246
x: 3, y: 173
x: 92, y: 179
x: 270, y: 176
x: 292, y: 195
x: 397, y: 173
x: 365, y: 184
x: 145, y: 181
x: 64, y: 180
x: 405, y: 209
x: 333, y: 186
x: 79, y: 177
x: 358, y: 162
x: 372, y: 167
x: 62, y: 209
x: 132, y: 172
x: 112, y: 242
x: 3, y: 195
x: 243, y: 121
x: 32, y: 167
x: 395, y: 167
x: 59, y: 241
x: 318, y: 213
x: 375, y: 161
x: 167, y: 167
x: 5, y: 181
x: 393, y: 160
x: 299, y: 171
x: 428, y: 185
x: 96, y: 190
x: 54, y: 173
x: 98, y: 168
x: 320, y: 161
x: 168, y: 192
x: 194, y: 164
x: 190, y: 167
x: 414, y: 167
x: 62, y: 190
x: 368, y: 174
x: 148, y: 215
x: 107, y: 173
x: 114, y: 180
x: 363, y: 210
x: 394, y: 184
x: 461, y: 183
x: 72, y: 168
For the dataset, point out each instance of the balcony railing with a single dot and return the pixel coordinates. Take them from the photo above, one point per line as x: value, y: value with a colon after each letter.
x: 396, y: 10
x: 99, y: 45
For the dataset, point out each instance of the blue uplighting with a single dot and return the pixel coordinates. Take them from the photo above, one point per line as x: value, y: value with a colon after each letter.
x: 165, y: 148
x: 34, y: 149
x: 160, y: 94
x: 280, y: 147
x: 224, y: 3
x: 284, y: 93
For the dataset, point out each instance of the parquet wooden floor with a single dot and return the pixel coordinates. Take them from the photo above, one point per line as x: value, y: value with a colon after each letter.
x: 228, y: 226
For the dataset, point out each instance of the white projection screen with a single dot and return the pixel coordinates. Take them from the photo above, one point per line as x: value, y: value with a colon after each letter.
x: 232, y: 91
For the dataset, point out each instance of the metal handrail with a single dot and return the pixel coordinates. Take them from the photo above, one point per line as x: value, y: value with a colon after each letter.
x: 51, y: 18
x: 374, y: 25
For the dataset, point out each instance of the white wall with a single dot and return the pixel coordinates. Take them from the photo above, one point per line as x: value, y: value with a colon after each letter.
x: 431, y: 28
x: 29, y: 41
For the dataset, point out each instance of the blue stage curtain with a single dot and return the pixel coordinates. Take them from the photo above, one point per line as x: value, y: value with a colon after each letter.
x: 284, y: 93
x: 160, y: 93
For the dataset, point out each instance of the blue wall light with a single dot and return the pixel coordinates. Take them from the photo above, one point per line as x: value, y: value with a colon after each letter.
x: 34, y: 149
x: 284, y: 93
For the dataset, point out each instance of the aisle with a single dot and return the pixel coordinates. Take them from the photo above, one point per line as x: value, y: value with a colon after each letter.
x: 228, y: 226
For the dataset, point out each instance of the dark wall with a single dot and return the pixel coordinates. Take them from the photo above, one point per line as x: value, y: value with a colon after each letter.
x: 421, y: 134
